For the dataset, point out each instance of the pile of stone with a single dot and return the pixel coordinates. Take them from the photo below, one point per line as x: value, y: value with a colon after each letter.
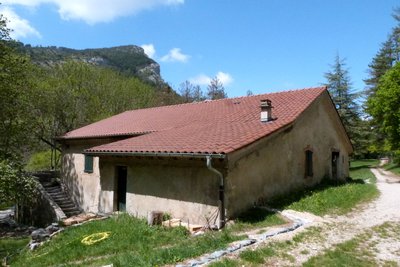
x: 41, y: 235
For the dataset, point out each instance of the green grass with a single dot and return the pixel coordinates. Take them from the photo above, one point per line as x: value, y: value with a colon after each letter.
x: 10, y: 247
x: 393, y: 167
x: 131, y: 243
x: 332, y: 197
x: 5, y: 206
x: 359, y: 251
x: 364, y: 163
x: 256, y: 218
x: 345, y: 254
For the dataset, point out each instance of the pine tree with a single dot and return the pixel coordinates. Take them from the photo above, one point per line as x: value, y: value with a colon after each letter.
x: 339, y: 86
x: 387, y: 56
x: 216, y: 90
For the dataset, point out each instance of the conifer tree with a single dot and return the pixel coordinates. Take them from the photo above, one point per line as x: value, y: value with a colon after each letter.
x: 216, y: 90
x: 339, y: 86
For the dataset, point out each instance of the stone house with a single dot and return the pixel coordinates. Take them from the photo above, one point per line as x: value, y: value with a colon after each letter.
x: 199, y: 160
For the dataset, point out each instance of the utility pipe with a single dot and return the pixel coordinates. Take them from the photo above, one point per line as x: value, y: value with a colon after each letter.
x: 221, y: 192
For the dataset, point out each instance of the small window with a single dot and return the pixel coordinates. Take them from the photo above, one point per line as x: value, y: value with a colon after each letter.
x: 88, y: 164
x: 309, y: 163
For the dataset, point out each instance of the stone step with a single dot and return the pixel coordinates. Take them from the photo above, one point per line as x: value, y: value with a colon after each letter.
x: 54, y: 191
x: 66, y: 205
x: 70, y: 210
x: 60, y: 198
x: 70, y: 214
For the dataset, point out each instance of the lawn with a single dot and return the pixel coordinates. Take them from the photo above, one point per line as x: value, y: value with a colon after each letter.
x: 127, y: 240
x: 362, y: 249
x: 330, y: 197
x: 393, y: 167
x: 10, y: 247
x: 256, y: 218
x: 326, y: 198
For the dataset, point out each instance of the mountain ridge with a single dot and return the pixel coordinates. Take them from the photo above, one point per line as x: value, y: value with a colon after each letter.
x: 127, y: 59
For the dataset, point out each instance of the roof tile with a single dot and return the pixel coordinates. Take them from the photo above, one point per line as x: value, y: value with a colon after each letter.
x: 219, y: 126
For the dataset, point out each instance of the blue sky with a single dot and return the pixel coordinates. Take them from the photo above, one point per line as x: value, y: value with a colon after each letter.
x: 257, y: 45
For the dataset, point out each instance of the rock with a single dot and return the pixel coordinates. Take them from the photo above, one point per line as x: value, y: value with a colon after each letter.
x: 34, y: 245
x: 40, y: 235
x: 52, y: 228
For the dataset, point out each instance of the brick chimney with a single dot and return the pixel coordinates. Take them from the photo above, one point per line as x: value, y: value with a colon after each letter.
x: 266, y: 110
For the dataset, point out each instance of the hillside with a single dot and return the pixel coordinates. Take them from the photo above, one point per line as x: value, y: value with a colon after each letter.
x: 129, y: 59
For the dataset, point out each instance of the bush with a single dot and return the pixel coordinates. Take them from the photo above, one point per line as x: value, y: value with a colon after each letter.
x: 41, y: 161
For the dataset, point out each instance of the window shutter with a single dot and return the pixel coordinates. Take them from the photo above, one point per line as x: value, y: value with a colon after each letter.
x: 88, y: 164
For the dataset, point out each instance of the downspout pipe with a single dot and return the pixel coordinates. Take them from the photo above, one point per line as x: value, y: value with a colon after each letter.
x: 221, y: 192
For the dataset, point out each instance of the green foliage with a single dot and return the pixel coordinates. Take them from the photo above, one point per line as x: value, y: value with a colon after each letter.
x: 128, y: 59
x: 131, y: 243
x: 74, y: 94
x: 16, y: 186
x: 16, y: 93
x: 41, y: 161
x: 385, y: 105
x: 330, y: 196
x: 11, y: 247
x: 339, y: 86
x: 385, y: 59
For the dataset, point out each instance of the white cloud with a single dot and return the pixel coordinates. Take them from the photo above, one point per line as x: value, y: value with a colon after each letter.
x: 175, y: 55
x: 202, y: 79
x: 95, y: 11
x: 20, y: 27
x: 149, y: 50
x: 225, y: 78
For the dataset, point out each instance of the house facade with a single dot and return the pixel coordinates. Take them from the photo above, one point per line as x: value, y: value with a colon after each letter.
x: 208, y: 161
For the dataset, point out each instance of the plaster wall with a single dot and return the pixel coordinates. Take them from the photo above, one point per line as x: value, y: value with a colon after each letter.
x: 276, y: 164
x: 183, y: 188
x: 84, y: 188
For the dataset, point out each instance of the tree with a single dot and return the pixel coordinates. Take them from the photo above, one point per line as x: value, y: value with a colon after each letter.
x: 190, y: 92
x: 385, y: 104
x: 16, y: 186
x: 339, y: 86
x: 186, y: 91
x: 387, y: 56
x: 16, y: 94
x: 216, y: 90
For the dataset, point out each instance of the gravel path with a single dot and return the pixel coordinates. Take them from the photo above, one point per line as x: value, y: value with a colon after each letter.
x: 338, y: 229
x: 329, y: 231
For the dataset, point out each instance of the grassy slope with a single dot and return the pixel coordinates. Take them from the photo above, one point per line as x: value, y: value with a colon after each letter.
x: 393, y: 167
x: 329, y: 197
x: 323, y: 199
x: 256, y: 218
x: 131, y: 241
x: 361, y: 250
x: 9, y: 247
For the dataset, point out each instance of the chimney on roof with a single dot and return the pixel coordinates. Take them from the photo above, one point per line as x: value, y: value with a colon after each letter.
x: 266, y: 110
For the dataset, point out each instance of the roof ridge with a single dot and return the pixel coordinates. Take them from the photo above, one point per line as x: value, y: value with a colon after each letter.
x: 228, y: 99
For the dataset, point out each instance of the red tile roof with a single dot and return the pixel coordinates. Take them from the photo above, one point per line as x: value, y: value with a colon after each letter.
x: 219, y: 126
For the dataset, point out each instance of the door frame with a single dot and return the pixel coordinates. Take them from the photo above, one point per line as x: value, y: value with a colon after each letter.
x: 118, y: 181
x: 335, y: 158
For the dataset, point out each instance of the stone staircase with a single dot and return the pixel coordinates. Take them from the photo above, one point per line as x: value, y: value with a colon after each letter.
x: 62, y: 199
